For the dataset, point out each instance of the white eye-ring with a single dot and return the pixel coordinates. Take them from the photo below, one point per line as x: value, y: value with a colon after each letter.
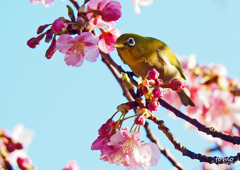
x: 131, y: 41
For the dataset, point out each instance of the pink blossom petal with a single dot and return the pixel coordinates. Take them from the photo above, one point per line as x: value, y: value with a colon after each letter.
x: 92, y: 54
x: 63, y: 43
x: 74, y: 60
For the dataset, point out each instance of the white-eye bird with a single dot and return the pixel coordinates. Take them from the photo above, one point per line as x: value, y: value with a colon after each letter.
x: 142, y: 54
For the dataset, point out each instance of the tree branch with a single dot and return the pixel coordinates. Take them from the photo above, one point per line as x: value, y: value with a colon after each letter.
x: 115, y: 70
x: 165, y: 152
x: 210, y: 131
x: 186, y: 152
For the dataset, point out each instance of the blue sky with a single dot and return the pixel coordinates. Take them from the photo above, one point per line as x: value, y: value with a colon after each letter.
x: 65, y: 106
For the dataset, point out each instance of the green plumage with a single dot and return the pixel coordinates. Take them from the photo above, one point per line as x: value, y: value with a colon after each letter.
x: 142, y: 54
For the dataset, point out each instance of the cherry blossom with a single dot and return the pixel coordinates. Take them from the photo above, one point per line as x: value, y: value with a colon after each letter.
x: 72, y: 165
x: 83, y: 46
x: 109, y: 12
x: 125, y: 148
x: 108, y: 38
x: 45, y: 3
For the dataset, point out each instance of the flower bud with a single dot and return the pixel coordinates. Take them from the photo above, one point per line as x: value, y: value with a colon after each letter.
x: 112, y: 11
x: 49, y: 35
x: 158, y: 92
x: 153, y: 106
x: 140, y: 120
x: 158, y: 82
x: 153, y: 74
x: 58, y: 26
x: 24, y: 163
x: 18, y: 146
x: 176, y: 85
x: 51, y: 50
x: 33, y: 42
x: 42, y: 28
x: 71, y: 13
x: 145, y: 90
x: 10, y: 147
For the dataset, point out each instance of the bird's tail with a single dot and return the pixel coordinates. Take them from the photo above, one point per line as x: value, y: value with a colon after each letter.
x: 185, y: 99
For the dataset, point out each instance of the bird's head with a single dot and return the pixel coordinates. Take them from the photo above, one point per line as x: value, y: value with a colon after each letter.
x: 127, y: 41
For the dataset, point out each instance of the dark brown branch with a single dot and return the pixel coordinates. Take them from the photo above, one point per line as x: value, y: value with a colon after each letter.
x: 210, y: 131
x: 119, y: 79
x: 192, y: 155
x: 74, y: 2
x: 165, y: 152
x: 113, y: 67
x: 119, y: 68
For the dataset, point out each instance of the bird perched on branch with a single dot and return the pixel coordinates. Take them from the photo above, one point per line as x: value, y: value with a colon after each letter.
x: 142, y: 54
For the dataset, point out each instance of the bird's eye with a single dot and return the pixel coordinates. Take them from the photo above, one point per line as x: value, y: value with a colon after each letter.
x: 131, y: 42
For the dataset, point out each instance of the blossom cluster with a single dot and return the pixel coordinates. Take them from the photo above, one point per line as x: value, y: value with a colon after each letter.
x: 124, y: 147
x: 214, y: 94
x: 86, y: 44
x: 12, y: 148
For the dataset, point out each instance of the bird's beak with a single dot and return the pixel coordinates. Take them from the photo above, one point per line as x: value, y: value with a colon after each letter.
x: 118, y: 45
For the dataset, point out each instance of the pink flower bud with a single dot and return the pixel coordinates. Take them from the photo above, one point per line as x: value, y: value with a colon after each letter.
x: 158, y: 92
x: 112, y: 11
x: 153, y: 106
x: 24, y: 163
x: 177, y: 85
x: 145, y: 89
x: 10, y: 147
x: 59, y: 26
x: 158, y: 82
x: 33, y: 42
x: 140, y: 120
x: 18, y: 146
x: 42, y: 28
x: 49, y: 35
x: 51, y: 50
x: 153, y: 74
x: 106, y: 128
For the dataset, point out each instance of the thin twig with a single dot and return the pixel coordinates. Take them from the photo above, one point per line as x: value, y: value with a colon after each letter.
x: 119, y: 79
x: 165, y: 152
x: 192, y: 155
x: 210, y: 131
x: 119, y: 68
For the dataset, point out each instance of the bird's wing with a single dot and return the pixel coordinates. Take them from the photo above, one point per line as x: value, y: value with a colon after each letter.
x: 168, y: 56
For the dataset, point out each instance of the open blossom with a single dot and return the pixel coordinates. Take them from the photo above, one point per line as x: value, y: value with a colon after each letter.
x: 142, y: 3
x: 72, y: 165
x: 109, y: 12
x: 223, y: 112
x: 125, y: 148
x: 108, y: 38
x: 45, y: 3
x: 83, y: 46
